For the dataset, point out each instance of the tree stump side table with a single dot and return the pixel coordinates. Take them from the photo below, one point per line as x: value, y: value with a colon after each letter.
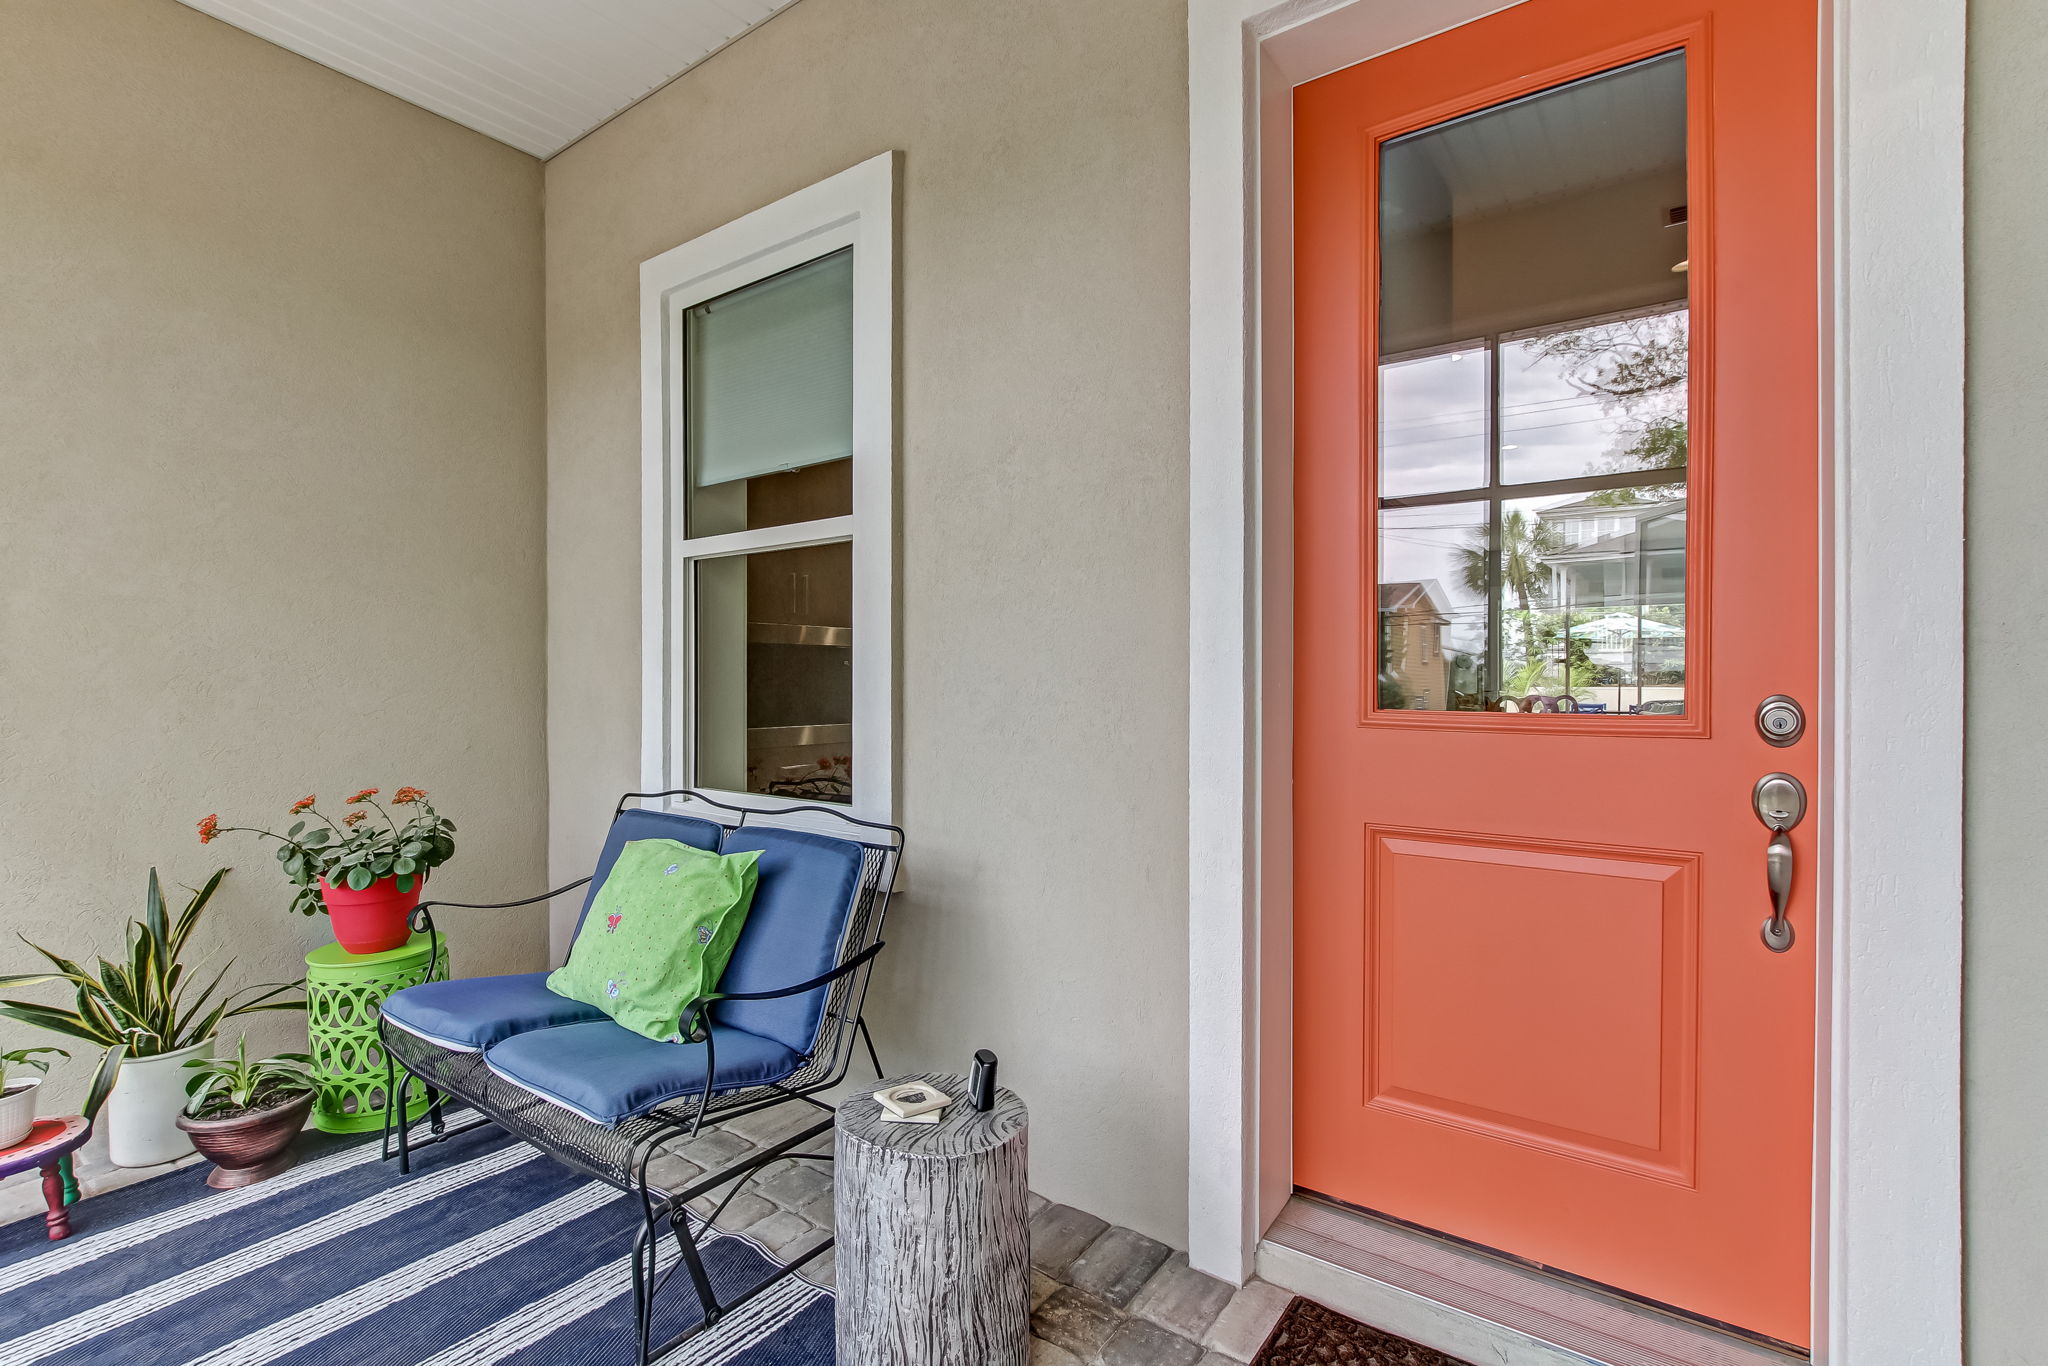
x: 48, y: 1144
x: 933, y: 1263
x: 344, y: 1000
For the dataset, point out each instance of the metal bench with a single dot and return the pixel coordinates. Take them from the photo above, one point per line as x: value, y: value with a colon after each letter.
x: 605, y: 1100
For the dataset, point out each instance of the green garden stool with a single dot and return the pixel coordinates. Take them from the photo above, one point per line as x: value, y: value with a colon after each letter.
x: 344, y: 998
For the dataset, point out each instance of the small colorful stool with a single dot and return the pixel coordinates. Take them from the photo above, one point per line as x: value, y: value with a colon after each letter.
x: 345, y: 995
x: 49, y: 1145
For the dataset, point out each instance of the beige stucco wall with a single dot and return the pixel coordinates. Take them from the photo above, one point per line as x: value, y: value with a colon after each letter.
x: 2005, y: 1040
x: 270, y: 479
x: 1043, y: 494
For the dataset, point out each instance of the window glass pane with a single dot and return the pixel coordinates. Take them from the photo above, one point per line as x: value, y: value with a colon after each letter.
x: 773, y: 654
x: 1600, y: 398
x: 1553, y: 207
x: 1432, y: 606
x: 1432, y: 416
x: 1593, y: 602
x: 1534, y: 402
x: 768, y: 400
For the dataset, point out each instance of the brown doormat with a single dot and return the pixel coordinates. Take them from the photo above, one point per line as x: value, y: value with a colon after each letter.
x: 1310, y: 1335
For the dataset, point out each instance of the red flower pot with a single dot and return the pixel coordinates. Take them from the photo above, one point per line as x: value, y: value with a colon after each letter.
x: 375, y: 919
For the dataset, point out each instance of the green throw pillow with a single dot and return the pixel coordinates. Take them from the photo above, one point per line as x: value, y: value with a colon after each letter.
x: 658, y: 934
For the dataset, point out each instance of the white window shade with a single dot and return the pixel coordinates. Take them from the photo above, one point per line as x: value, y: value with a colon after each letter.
x: 770, y: 374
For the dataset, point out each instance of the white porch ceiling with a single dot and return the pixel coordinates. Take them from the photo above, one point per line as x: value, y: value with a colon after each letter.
x: 537, y: 74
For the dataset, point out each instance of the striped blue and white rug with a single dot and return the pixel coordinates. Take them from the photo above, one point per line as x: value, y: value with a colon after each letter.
x: 489, y: 1252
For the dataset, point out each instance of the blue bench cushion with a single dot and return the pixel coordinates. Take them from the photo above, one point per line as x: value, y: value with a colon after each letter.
x: 803, y: 897
x: 608, y: 1073
x: 472, y: 1013
x: 637, y: 824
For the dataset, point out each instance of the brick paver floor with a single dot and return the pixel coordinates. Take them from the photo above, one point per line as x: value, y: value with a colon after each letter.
x: 1100, y: 1295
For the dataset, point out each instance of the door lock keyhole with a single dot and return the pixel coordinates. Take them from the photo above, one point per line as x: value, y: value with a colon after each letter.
x: 1780, y: 720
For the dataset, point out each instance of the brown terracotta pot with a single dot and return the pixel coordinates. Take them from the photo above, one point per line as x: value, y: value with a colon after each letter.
x: 249, y: 1148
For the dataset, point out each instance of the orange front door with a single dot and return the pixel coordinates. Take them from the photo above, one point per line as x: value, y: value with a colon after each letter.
x: 1557, y: 520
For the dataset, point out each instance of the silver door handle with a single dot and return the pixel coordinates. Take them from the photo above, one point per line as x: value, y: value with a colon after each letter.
x: 1778, y: 872
x: 1780, y: 802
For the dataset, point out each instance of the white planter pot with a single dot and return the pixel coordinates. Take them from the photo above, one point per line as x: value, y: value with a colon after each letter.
x: 18, y: 1109
x: 141, y: 1116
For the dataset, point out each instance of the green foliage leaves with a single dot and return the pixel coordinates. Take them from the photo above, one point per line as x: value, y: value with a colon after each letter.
x: 358, y: 850
x: 143, y: 1005
x: 15, y: 1059
x: 102, y: 1083
x: 221, y: 1087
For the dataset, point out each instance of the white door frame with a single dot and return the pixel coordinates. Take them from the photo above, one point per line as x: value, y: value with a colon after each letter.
x: 1887, y: 1157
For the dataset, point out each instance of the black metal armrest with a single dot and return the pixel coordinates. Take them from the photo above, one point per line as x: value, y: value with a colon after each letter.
x: 503, y: 905
x: 801, y: 987
x: 696, y: 1018
x: 422, y: 919
x: 704, y: 1002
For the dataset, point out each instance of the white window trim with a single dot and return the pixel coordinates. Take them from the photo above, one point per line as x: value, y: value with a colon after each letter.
x: 1887, y: 1165
x: 855, y: 208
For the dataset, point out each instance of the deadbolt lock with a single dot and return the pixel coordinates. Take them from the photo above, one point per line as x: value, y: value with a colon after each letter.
x: 1780, y: 720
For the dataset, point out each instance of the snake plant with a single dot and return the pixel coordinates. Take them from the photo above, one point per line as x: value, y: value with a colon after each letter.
x: 147, y: 1005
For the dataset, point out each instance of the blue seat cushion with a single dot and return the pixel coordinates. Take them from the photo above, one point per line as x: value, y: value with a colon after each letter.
x: 637, y: 824
x: 607, y: 1073
x: 470, y: 1014
x: 802, y: 899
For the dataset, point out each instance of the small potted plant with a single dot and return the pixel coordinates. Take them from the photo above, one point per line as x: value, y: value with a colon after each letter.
x: 244, y: 1115
x: 364, y: 874
x: 149, y: 1015
x: 18, y: 1093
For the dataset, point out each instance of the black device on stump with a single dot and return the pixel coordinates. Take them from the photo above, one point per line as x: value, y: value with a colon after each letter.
x: 982, y: 1086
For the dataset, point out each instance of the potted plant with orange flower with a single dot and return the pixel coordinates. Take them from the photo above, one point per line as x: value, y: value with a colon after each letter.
x: 366, y: 874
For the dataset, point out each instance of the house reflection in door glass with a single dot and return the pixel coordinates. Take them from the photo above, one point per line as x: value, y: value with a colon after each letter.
x: 1533, y: 405
x: 1594, y: 606
x: 1432, y: 622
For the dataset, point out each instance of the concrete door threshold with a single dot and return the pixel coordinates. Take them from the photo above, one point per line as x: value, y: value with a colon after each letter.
x: 1480, y: 1308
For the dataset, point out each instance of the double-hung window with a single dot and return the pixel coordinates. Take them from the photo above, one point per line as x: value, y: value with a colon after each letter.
x: 767, y: 356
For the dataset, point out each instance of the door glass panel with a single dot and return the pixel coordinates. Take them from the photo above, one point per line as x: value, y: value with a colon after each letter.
x: 1533, y: 404
x: 1598, y: 398
x: 772, y: 638
x: 1593, y: 602
x: 1433, y: 577
x: 1433, y: 421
